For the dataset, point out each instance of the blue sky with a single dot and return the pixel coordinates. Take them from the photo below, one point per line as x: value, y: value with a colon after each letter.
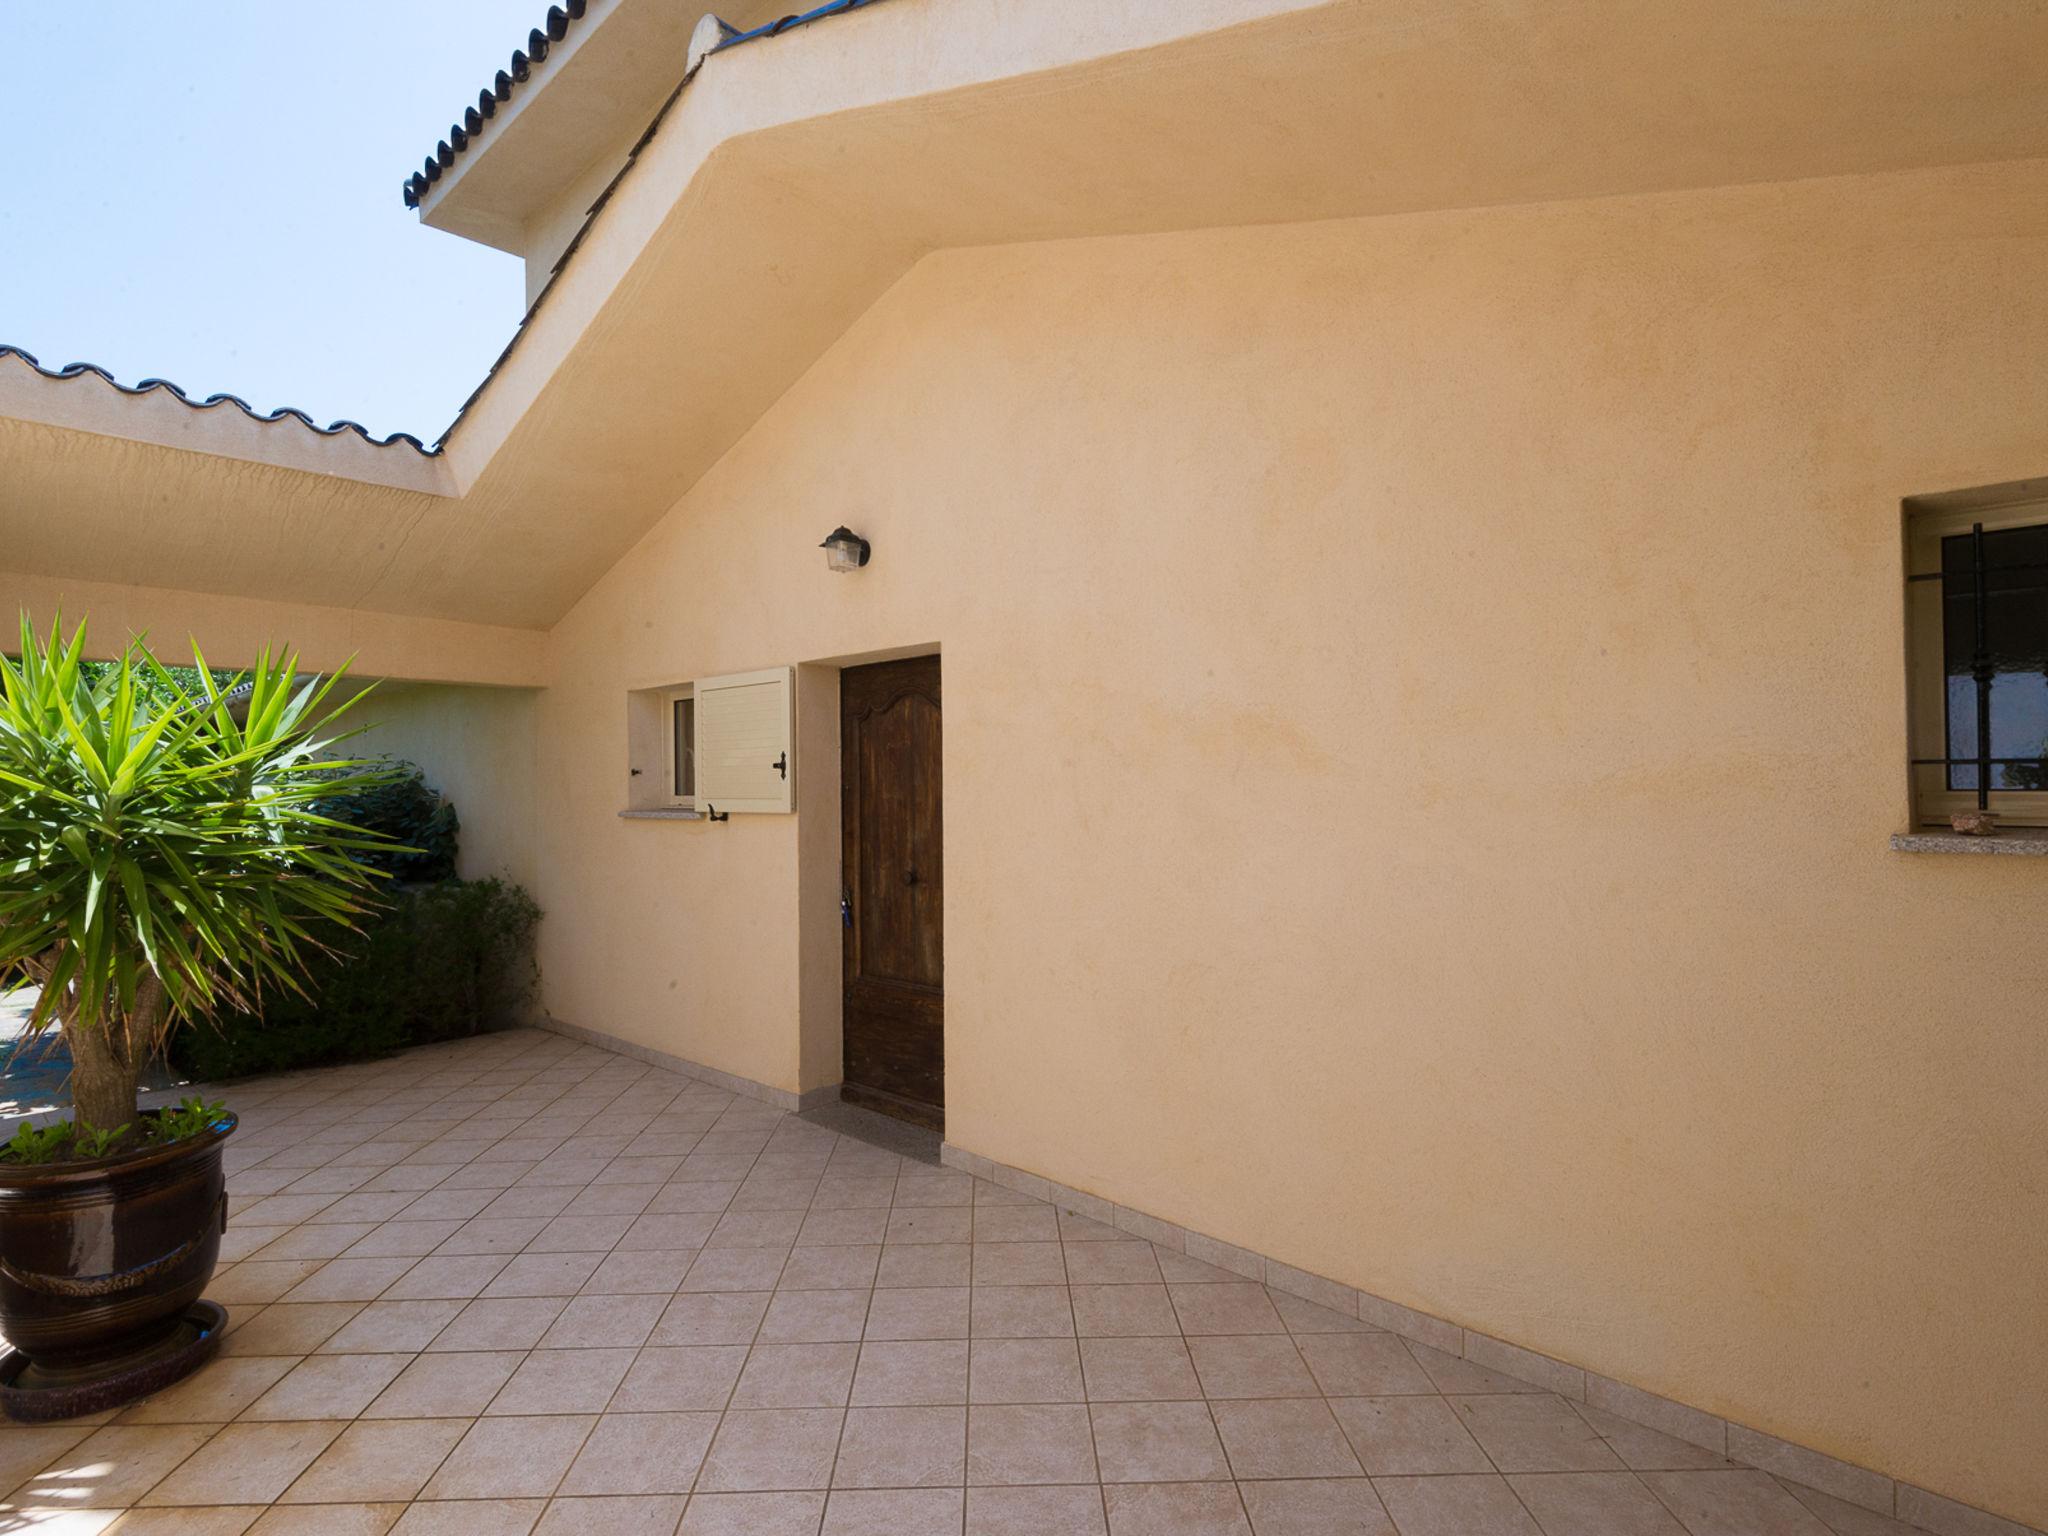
x: 210, y: 194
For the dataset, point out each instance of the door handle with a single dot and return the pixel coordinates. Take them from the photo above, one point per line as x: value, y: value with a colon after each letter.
x: 781, y: 765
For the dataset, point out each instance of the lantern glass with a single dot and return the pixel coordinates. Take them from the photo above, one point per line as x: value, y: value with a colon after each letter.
x: 843, y: 555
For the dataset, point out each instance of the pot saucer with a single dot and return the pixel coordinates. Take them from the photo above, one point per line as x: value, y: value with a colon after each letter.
x: 32, y: 1396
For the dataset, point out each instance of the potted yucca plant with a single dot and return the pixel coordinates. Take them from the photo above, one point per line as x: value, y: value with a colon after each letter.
x: 159, y: 857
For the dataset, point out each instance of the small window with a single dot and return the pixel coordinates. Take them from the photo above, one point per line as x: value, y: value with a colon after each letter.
x: 679, y: 774
x: 682, y: 758
x: 1978, y: 612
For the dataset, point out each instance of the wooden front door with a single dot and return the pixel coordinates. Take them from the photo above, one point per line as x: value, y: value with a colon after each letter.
x: 893, y: 868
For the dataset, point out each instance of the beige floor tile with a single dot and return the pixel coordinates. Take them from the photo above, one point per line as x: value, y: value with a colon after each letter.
x: 704, y: 1196
x: 484, y: 1235
x: 655, y: 1272
x: 246, y: 1464
x: 756, y: 1229
x: 1736, y: 1503
x: 1124, y: 1311
x: 1593, y: 1504
x: 1283, y: 1437
x: 446, y: 1386
x: 902, y: 1448
x: 1408, y: 1436
x: 511, y: 1458
x: 814, y: 1317
x: 399, y: 1238
x: 733, y: 1269
x: 1179, y: 1269
x: 507, y: 1323
x: 772, y: 1448
x: 1306, y: 1317
x: 911, y: 1373
x: 931, y: 1224
x: 327, y: 1387
x: 1534, y: 1433
x: 1023, y: 1371
x: 25, y: 1450
x: 1645, y: 1450
x: 1019, y: 1264
x: 604, y: 1322
x: 391, y: 1327
x: 330, y: 1520
x: 316, y: 1242
x: 563, y: 1381
x: 1020, y: 1312
x: 923, y: 1187
x: 1250, y: 1365
x: 1112, y: 1263
x: 1450, y: 1374
x: 222, y: 1520
x: 377, y: 1460
x: 611, y: 1200
x: 1138, y: 1370
x: 473, y: 1517
x: 924, y: 1265
x: 935, y: 1312
x: 1360, y: 1364
x: 1454, y: 1506
x: 543, y: 1274
x: 893, y: 1512
x: 111, y: 1467
x: 641, y: 1453
x: 448, y: 1202
x: 288, y: 1329
x: 256, y: 1281
x: 711, y: 1317
x: 1843, y: 1518
x: 1076, y: 1228
x: 447, y: 1277
x: 1157, y: 1442
x: 847, y: 1192
x: 797, y: 1376
x: 1237, y: 1308
x: 681, y: 1379
x: 837, y: 1268
x: 1015, y: 1224
x: 1035, y: 1512
x: 1323, y: 1506
x: 754, y: 1514
x: 1175, y: 1509
x: 654, y: 1515
x: 668, y: 1231
x: 638, y: 1170
x: 213, y: 1394
x: 350, y: 1280
x: 1030, y: 1443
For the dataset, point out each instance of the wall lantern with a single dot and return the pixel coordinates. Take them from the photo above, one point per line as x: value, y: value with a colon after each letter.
x: 844, y: 549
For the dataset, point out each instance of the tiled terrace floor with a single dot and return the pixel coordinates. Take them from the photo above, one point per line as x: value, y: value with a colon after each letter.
x: 520, y: 1284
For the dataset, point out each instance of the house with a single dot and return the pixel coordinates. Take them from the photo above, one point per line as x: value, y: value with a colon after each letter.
x: 1417, y: 645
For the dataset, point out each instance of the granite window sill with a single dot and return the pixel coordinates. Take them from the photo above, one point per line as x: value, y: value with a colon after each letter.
x: 664, y: 813
x: 2022, y: 841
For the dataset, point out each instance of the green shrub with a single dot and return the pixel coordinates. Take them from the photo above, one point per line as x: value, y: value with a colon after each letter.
x: 413, y: 814
x: 440, y: 962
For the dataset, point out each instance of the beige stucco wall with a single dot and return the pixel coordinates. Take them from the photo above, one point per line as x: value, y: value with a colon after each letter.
x: 475, y: 745
x: 1424, y: 713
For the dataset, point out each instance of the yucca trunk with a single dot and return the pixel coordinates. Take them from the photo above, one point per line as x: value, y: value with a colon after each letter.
x: 107, y: 1059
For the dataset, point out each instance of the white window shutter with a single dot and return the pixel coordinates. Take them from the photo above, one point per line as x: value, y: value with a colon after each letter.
x: 745, y: 742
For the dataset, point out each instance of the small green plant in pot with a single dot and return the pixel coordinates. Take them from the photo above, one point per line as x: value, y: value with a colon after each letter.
x: 160, y: 855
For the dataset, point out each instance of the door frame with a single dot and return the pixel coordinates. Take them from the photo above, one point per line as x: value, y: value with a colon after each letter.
x: 821, y: 1024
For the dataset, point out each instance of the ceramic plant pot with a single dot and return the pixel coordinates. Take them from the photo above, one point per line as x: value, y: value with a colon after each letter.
x: 101, y: 1268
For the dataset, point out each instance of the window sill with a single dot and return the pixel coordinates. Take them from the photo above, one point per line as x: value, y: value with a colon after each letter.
x: 2011, y: 840
x: 664, y: 813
